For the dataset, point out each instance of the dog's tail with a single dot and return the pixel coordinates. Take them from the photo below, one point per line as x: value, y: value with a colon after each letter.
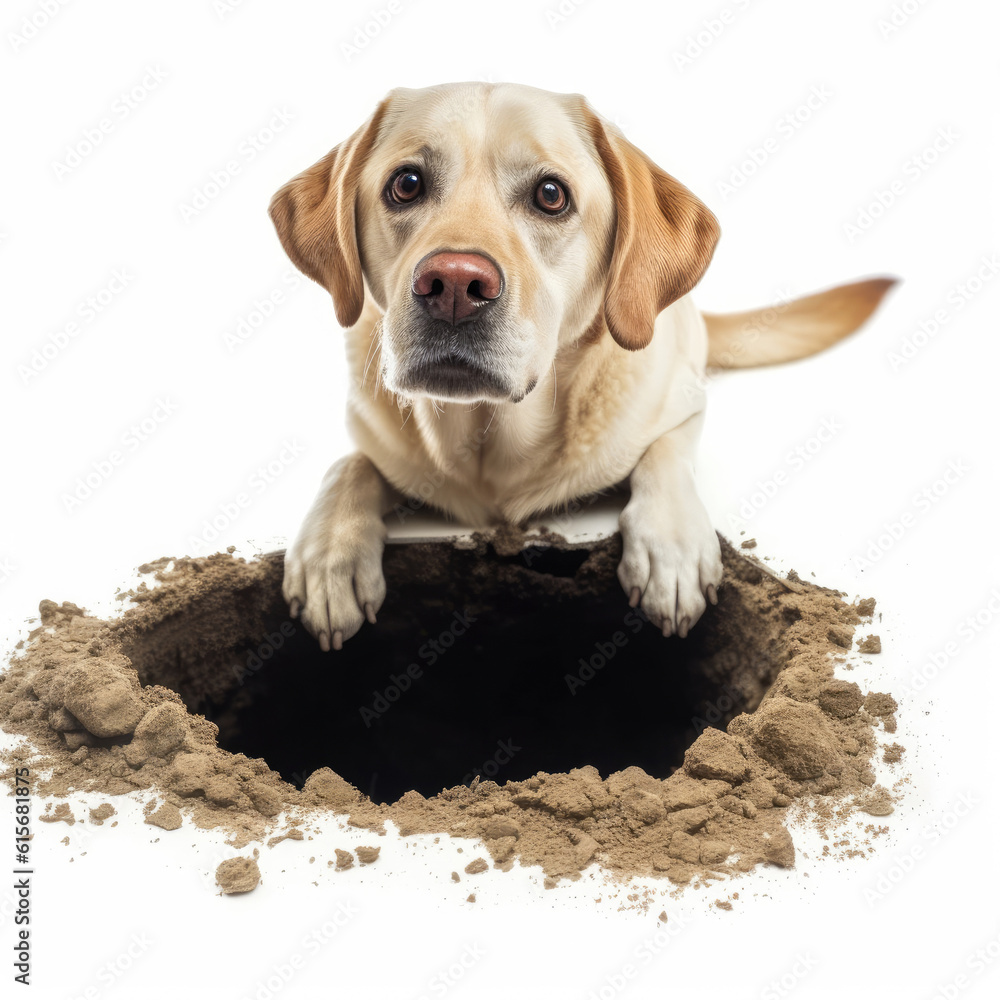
x: 792, y: 330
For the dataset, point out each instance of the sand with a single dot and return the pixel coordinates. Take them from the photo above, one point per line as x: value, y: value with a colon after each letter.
x: 107, y: 705
x: 238, y: 875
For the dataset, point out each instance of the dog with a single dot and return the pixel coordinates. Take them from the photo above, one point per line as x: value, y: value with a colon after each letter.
x: 514, y: 277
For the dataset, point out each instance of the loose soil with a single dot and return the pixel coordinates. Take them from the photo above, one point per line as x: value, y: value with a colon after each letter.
x: 673, y: 757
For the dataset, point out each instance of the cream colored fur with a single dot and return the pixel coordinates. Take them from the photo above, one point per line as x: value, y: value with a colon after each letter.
x: 600, y: 332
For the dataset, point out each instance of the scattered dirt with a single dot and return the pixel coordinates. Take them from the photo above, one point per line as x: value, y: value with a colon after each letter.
x: 884, y: 706
x: 61, y: 814
x: 877, y: 802
x: 293, y: 834
x: 167, y: 817
x: 118, y: 706
x: 873, y: 644
x: 238, y: 875
x: 102, y: 812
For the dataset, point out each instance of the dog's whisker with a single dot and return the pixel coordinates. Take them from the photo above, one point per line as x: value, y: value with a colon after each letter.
x: 489, y: 423
x: 369, y: 359
x: 373, y: 351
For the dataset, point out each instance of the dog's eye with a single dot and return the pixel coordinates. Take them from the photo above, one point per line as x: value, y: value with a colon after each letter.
x: 406, y: 186
x: 550, y: 196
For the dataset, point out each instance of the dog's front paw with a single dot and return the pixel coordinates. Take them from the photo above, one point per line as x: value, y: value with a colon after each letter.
x: 333, y: 581
x: 671, y: 562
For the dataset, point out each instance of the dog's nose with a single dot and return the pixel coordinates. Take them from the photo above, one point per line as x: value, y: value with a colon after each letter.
x: 454, y: 286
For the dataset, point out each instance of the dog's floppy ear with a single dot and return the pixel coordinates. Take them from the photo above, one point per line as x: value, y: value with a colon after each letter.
x: 664, y: 237
x: 314, y: 214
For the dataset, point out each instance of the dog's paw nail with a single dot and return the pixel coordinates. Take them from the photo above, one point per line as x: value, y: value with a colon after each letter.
x: 682, y: 628
x: 668, y: 629
x: 711, y: 594
x: 338, y: 640
x: 294, y: 608
x: 370, y: 614
x: 324, y: 642
x: 634, y: 597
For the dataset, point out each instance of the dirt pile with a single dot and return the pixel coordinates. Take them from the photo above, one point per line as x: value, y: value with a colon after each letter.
x: 110, y: 706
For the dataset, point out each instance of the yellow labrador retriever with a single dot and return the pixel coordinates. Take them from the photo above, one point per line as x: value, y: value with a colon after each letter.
x: 514, y: 275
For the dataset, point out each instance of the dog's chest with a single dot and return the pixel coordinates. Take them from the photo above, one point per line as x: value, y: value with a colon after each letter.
x: 483, y: 470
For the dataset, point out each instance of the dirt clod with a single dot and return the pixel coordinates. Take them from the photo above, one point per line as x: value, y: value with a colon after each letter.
x: 102, y: 812
x: 238, y: 875
x: 167, y: 817
x: 841, y: 698
x: 61, y: 814
x: 871, y: 644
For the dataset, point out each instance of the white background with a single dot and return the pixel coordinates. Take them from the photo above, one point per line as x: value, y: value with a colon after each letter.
x: 225, y: 73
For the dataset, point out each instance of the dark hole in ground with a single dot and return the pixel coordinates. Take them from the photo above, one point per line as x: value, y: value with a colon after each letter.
x: 479, y: 664
x: 547, y: 560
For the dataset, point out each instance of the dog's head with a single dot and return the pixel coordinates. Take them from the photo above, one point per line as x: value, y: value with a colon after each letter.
x: 492, y: 224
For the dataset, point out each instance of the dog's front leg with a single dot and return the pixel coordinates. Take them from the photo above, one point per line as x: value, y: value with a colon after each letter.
x: 333, y: 569
x: 671, y: 560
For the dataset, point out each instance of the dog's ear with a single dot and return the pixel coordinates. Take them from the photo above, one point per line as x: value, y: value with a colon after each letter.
x: 664, y: 237
x: 314, y: 214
